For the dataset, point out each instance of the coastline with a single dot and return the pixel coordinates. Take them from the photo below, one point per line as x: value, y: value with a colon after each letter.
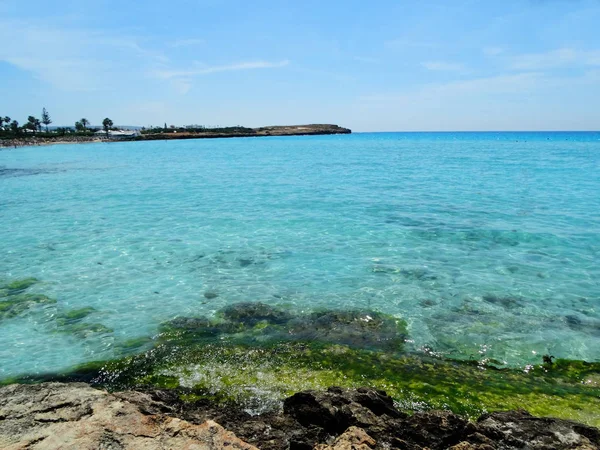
x: 295, y: 130
x: 59, y: 415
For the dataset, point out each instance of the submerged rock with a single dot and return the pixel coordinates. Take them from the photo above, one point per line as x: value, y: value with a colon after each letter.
x: 356, y: 328
x: 13, y: 305
x: 505, y: 302
x: 250, y: 313
x: 18, y: 285
x: 73, y: 316
x: 85, y: 330
x: 251, y: 322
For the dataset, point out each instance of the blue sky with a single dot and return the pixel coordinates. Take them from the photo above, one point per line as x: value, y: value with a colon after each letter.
x: 371, y: 66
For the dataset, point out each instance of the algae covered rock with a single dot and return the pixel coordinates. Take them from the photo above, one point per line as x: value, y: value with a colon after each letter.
x: 250, y: 313
x: 84, y: 330
x: 18, y: 285
x: 13, y: 305
x: 356, y: 328
x: 73, y: 316
x: 259, y: 322
x: 15, y: 301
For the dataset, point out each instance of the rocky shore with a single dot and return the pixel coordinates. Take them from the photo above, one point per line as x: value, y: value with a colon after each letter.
x: 77, y: 416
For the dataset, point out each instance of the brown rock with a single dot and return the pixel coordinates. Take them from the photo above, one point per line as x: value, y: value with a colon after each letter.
x: 76, y: 416
x: 353, y: 438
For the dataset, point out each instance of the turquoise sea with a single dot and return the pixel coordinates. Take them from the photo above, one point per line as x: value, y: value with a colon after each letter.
x: 488, y: 244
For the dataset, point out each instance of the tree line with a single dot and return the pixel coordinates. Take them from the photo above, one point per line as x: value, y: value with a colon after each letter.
x: 10, y: 128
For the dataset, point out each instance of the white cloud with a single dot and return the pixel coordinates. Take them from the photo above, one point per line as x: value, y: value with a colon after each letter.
x: 560, y: 58
x: 442, y: 66
x: 205, y: 70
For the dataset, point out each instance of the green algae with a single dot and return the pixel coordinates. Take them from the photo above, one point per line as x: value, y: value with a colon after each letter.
x: 258, y: 361
x: 73, y: 316
x: 240, y: 373
x: 134, y: 345
x: 18, y: 285
x: 237, y: 373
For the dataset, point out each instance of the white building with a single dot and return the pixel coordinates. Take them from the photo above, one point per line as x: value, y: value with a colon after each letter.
x: 119, y: 134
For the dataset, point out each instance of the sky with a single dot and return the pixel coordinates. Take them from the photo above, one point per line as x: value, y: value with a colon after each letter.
x: 371, y: 66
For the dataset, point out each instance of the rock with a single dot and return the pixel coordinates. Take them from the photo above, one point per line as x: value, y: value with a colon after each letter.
x: 354, y: 438
x: 76, y: 416
x: 85, y: 330
x: 73, y: 316
x: 19, y: 285
x: 505, y: 302
x: 251, y: 313
x: 331, y: 412
x: 337, y: 409
x: 356, y: 328
x: 13, y: 305
x: 434, y: 429
x: 519, y: 429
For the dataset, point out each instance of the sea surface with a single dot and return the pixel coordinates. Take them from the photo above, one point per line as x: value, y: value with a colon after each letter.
x: 487, y: 244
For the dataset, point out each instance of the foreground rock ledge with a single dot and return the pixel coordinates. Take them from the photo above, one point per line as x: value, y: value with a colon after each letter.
x: 77, y: 416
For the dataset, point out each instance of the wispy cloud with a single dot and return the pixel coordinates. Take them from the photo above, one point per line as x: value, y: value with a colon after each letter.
x: 560, y: 58
x: 442, y: 66
x: 70, y: 58
x: 500, y: 84
x: 187, y: 42
x: 205, y: 70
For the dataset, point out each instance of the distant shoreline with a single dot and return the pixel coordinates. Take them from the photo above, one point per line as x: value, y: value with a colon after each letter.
x: 295, y: 130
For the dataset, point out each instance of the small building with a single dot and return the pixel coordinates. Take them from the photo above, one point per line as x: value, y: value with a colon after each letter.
x: 119, y: 134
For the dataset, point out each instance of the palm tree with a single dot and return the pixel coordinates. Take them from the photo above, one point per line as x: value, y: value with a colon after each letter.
x: 107, y: 124
x: 84, y: 123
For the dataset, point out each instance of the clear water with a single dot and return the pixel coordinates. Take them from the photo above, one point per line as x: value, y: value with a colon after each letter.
x: 488, y: 244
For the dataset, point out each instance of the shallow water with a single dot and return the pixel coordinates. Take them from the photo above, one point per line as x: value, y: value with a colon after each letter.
x: 486, y: 243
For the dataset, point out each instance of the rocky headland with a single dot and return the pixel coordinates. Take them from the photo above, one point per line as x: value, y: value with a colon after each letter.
x: 78, y: 416
x: 168, y: 134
